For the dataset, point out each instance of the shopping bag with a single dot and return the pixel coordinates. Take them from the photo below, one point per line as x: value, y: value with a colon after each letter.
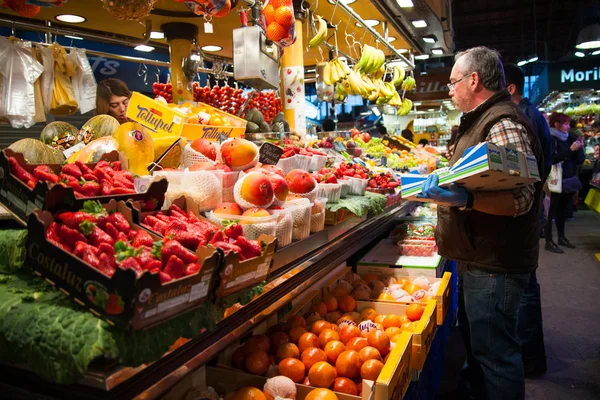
x: 555, y: 178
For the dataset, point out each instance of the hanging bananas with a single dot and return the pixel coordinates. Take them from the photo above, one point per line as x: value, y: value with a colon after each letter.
x: 405, y: 107
x: 335, y: 71
x: 340, y: 94
x: 321, y: 33
x: 408, y: 84
x: 399, y: 76
x: 371, y: 59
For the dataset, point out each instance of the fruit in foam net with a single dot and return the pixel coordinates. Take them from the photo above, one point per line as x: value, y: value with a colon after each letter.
x: 256, y: 189
x: 202, y: 166
x: 229, y: 209
x: 205, y: 147
x: 321, y: 394
x: 280, y: 187
x: 300, y: 181
x: 279, y: 387
x: 238, y: 153
x: 256, y: 212
x: 223, y: 167
x: 317, y: 207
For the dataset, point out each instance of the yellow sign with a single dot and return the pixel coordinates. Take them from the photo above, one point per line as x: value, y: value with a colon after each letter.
x: 154, y: 115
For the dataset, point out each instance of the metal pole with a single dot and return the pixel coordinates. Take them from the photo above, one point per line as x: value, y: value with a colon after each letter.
x: 332, y: 112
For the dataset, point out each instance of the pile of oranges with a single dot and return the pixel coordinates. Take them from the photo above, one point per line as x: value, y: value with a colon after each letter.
x: 332, y: 346
x: 279, y: 17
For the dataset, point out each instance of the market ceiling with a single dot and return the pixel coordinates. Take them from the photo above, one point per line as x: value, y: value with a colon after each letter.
x: 98, y: 19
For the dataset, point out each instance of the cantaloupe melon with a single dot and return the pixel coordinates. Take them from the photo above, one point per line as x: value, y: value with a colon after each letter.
x: 60, y: 135
x: 97, y: 127
x: 34, y: 151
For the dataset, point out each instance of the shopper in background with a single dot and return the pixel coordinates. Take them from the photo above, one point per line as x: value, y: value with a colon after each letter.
x: 568, y: 153
x: 424, y: 142
x: 328, y: 125
x: 407, y: 134
x: 494, y: 236
x: 112, y: 98
x: 530, y: 326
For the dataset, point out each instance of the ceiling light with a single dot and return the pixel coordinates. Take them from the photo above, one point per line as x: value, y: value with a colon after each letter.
x: 370, y: 22
x: 401, y: 64
x: 533, y: 59
x: 419, y: 23
x: 70, y: 18
x: 589, y: 37
x: 431, y: 109
x: 195, y: 57
x: 422, y: 57
x: 405, y: 3
x: 157, y: 35
x: 595, y: 53
x: 402, y: 51
x: 521, y: 63
x: 344, y: 1
x: 417, y: 103
x: 579, y: 54
x: 211, y: 47
x: 429, y: 39
x: 437, y: 52
x: 391, y: 39
x: 73, y: 37
x: 143, y: 47
x: 311, y: 70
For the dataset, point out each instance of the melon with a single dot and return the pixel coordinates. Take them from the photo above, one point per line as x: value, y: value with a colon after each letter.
x: 60, y: 135
x: 93, y: 152
x: 137, y: 144
x: 97, y: 127
x: 34, y: 151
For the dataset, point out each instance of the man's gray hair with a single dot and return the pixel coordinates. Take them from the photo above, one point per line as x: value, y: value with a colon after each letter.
x: 488, y: 65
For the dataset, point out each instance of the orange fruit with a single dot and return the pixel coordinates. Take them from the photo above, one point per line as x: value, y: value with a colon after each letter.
x: 393, y: 331
x: 287, y: 350
x: 296, y: 333
x: 407, y: 326
x: 269, y: 13
x: 414, y: 312
x: 311, y: 356
x: 238, y: 358
x: 328, y: 335
x: 357, y: 343
x: 224, y: 11
x: 284, y: 17
x: 368, y: 314
x: 395, y: 338
x: 322, y: 374
x: 277, y: 339
x: 331, y: 303
x: 348, y: 364
x: 370, y: 277
x: 347, y: 304
x: 385, y: 296
x: 379, y: 319
x: 321, y: 394
x: 345, y: 385
x: 411, y: 288
x: 295, y: 321
x: 379, y: 327
x: 276, y: 32
x: 319, y: 326
x: 348, y: 332
x: 257, y: 342
x: 249, y: 393
x: 371, y: 369
x: 292, y: 368
x: 391, y: 320
x: 404, y: 318
x: 380, y: 341
x: 320, y: 308
x: 258, y: 362
x: 369, y: 353
x: 358, y: 282
x: 276, y: 3
x: 308, y: 340
x: 333, y: 350
x: 345, y: 320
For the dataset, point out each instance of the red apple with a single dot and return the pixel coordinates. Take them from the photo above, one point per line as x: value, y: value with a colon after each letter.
x: 205, y: 147
x: 365, y: 137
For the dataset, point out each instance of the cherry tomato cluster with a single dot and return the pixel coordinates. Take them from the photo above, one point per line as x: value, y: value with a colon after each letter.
x: 419, y: 248
x: 352, y: 170
x: 268, y: 103
x: 164, y: 90
x: 225, y: 98
x: 383, y: 181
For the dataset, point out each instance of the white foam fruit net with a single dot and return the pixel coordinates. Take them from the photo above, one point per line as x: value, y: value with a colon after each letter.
x: 191, y: 157
x: 317, y: 162
x: 332, y: 191
x: 317, y: 221
x: 202, y: 187
x: 301, y: 210
x: 287, y: 164
x: 237, y: 194
x: 284, y: 227
x: 229, y: 180
x: 253, y: 226
x: 242, y: 167
x: 311, y: 196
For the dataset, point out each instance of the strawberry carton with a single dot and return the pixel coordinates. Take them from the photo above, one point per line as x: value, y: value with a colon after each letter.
x: 25, y: 187
x: 116, y: 269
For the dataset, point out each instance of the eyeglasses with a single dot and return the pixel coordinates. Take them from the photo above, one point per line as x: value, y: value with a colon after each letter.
x: 451, y: 85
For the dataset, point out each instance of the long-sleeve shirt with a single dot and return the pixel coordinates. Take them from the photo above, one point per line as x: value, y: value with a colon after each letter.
x: 507, y: 132
x: 541, y: 128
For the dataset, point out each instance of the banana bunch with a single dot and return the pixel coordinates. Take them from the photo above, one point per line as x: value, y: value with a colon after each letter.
x: 408, y: 84
x: 385, y: 92
x: 354, y: 84
x: 378, y: 74
x: 334, y: 71
x: 396, y: 101
x: 321, y: 33
x: 371, y: 59
x: 405, y: 107
x: 340, y: 94
x: 399, y: 75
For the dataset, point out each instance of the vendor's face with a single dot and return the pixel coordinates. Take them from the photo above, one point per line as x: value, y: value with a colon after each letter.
x: 117, y: 107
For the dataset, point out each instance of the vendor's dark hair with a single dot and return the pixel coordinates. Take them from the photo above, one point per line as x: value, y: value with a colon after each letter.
x: 515, y: 76
x: 106, y: 89
x: 559, y: 118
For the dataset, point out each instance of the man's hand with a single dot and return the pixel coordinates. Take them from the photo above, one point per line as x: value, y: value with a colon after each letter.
x: 454, y: 195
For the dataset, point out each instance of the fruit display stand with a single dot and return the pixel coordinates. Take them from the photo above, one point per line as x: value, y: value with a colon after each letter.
x: 592, y: 200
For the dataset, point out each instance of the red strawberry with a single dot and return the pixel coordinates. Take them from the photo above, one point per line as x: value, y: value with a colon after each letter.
x: 233, y: 229
x: 69, y: 236
x: 174, y: 227
x: 192, y: 269
x: 119, y: 221
x: 175, y: 267
x: 227, y: 247
x: 79, y: 247
x: 107, y: 264
x: 122, y: 237
x: 217, y: 237
x: 105, y: 248
x: 174, y: 248
x: 111, y: 231
x: 250, y: 248
x: 164, y: 277
x: 154, y: 264
x: 74, y: 219
x: 89, y: 257
x: 190, y: 240
x: 142, y: 238
x: 131, y: 263
x: 145, y: 256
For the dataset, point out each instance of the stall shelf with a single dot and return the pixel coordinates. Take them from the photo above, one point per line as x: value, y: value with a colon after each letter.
x: 296, y: 269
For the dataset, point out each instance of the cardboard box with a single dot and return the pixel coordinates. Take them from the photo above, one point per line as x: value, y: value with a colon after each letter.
x: 483, y: 167
x: 215, y: 133
x: 335, y: 217
x: 132, y: 302
x: 155, y: 115
x: 20, y: 200
x: 385, y: 256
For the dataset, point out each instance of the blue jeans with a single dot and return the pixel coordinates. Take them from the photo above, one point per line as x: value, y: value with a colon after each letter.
x: 488, y: 308
x: 530, y: 326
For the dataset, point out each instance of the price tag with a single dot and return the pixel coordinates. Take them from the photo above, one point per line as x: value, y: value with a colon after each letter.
x: 339, y: 146
x: 73, y: 149
x: 208, y: 28
x: 222, y: 138
x: 269, y: 153
x: 384, y: 161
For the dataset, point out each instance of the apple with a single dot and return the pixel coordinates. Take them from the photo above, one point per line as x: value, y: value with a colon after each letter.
x: 365, y: 137
x: 205, y: 147
x: 355, y: 132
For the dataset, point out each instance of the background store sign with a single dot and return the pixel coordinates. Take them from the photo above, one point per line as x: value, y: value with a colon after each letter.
x: 576, y: 74
x: 432, y: 86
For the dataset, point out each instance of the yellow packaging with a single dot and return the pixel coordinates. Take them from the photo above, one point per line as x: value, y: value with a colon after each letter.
x: 212, y: 132
x: 159, y: 118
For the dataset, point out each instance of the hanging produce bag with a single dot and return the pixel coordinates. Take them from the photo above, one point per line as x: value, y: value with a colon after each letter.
x: 129, y: 9
x: 555, y: 178
x: 22, y: 7
x: 278, y: 22
x: 84, y: 83
x: 63, y: 95
x: 47, y: 3
x: 45, y: 56
x: 40, y: 115
x: 215, y: 8
x: 19, y: 71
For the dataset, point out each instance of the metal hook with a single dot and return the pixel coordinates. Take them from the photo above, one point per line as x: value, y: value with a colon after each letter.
x: 157, y: 74
x: 12, y: 28
x: 333, y: 14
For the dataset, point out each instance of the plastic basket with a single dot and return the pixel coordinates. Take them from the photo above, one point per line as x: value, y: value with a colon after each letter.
x: 285, y: 224
x: 358, y: 186
x: 287, y: 164
x: 229, y: 180
x: 317, y: 162
x: 331, y: 191
x: 303, y: 162
x: 237, y: 195
x: 173, y: 177
x: 253, y: 226
x: 301, y: 212
x: 312, y: 195
x: 346, y: 187
x: 317, y: 220
x: 203, y: 187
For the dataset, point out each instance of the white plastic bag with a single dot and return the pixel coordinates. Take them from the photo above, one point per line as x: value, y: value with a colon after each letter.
x: 19, y: 71
x: 47, y: 78
x: 555, y: 178
x: 84, y: 83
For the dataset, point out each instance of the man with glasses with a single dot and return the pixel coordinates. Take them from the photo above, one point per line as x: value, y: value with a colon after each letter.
x: 494, y: 236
